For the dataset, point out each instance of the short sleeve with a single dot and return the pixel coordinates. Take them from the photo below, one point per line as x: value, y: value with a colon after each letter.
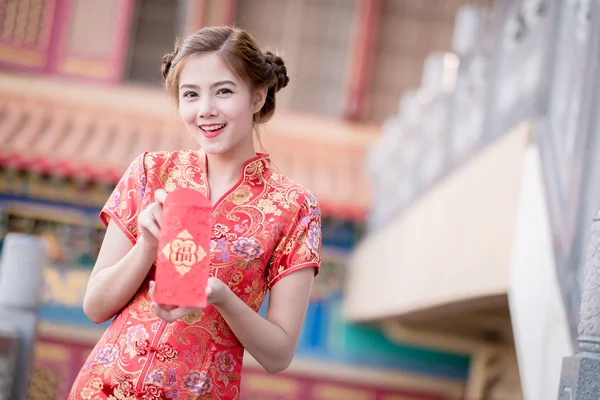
x: 301, y: 246
x: 125, y: 202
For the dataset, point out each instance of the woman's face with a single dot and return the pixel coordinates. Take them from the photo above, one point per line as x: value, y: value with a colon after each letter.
x: 217, y: 106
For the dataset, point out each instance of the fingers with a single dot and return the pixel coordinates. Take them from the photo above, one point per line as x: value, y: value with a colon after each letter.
x: 166, y: 312
x: 171, y: 315
x: 156, y: 212
x: 147, y: 220
x: 161, y: 313
x: 150, y: 218
x: 152, y: 291
x: 160, y: 196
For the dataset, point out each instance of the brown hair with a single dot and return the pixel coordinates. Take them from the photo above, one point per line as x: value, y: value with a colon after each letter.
x: 239, y: 51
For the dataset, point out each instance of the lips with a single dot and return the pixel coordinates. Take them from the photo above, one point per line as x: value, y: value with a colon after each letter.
x: 212, y: 130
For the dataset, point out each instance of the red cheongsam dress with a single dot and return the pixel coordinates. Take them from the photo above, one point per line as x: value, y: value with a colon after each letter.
x: 264, y: 228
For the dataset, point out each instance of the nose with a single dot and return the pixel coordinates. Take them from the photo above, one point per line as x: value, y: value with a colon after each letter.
x: 206, y: 107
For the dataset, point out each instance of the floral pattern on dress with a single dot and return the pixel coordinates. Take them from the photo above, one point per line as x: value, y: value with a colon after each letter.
x: 264, y: 228
x: 247, y: 248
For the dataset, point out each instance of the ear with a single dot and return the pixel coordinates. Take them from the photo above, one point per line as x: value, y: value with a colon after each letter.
x: 258, y: 99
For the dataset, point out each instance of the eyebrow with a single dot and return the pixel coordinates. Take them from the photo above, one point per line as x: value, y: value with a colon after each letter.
x: 220, y: 83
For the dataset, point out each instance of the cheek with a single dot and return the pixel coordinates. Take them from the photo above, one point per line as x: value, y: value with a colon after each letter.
x: 237, y: 109
x: 187, y: 113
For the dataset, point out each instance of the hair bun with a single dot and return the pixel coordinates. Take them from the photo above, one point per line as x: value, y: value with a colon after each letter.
x: 279, y: 70
x: 167, y: 62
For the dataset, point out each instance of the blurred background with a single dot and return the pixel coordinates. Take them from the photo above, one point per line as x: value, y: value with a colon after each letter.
x: 452, y: 145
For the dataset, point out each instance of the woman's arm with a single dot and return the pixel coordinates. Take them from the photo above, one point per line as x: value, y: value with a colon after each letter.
x: 272, y: 340
x: 122, y: 267
x: 119, y: 271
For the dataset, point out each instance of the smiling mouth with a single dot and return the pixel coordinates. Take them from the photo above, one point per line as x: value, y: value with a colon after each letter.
x: 211, y: 131
x: 212, y: 128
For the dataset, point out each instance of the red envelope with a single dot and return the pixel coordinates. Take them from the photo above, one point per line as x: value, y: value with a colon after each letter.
x: 183, y: 261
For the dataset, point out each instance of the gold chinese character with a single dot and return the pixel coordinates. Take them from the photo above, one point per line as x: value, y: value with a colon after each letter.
x: 183, y: 252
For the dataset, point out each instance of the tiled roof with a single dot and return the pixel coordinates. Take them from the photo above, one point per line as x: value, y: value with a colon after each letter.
x: 74, y: 140
x: 56, y: 133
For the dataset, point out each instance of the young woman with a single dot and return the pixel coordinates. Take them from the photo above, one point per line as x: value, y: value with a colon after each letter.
x: 266, y: 237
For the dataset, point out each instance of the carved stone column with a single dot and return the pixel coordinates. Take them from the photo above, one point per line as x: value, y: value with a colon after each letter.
x: 580, y: 378
x: 21, y: 277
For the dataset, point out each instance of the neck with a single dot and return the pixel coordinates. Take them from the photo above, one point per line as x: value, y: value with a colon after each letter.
x: 224, y: 169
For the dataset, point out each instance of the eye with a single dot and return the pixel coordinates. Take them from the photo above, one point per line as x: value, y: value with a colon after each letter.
x: 223, y: 91
x: 190, y: 94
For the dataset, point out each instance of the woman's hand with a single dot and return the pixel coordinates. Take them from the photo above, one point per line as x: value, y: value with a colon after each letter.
x: 149, y: 220
x: 216, y: 293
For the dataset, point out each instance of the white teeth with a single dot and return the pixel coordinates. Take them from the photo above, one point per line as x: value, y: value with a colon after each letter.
x: 212, y: 128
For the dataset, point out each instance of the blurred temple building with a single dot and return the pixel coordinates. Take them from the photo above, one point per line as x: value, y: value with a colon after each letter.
x: 449, y: 142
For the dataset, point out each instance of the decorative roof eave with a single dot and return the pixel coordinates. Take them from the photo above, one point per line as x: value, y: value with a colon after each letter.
x: 93, y: 133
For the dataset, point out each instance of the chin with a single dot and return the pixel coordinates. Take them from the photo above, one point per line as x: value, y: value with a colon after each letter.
x: 214, y: 148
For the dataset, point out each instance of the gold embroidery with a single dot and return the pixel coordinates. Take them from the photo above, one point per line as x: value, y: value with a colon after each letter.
x: 149, y: 162
x: 193, y: 318
x: 276, y: 222
x: 268, y: 207
x: 170, y: 186
x: 183, y: 252
x: 241, y: 195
